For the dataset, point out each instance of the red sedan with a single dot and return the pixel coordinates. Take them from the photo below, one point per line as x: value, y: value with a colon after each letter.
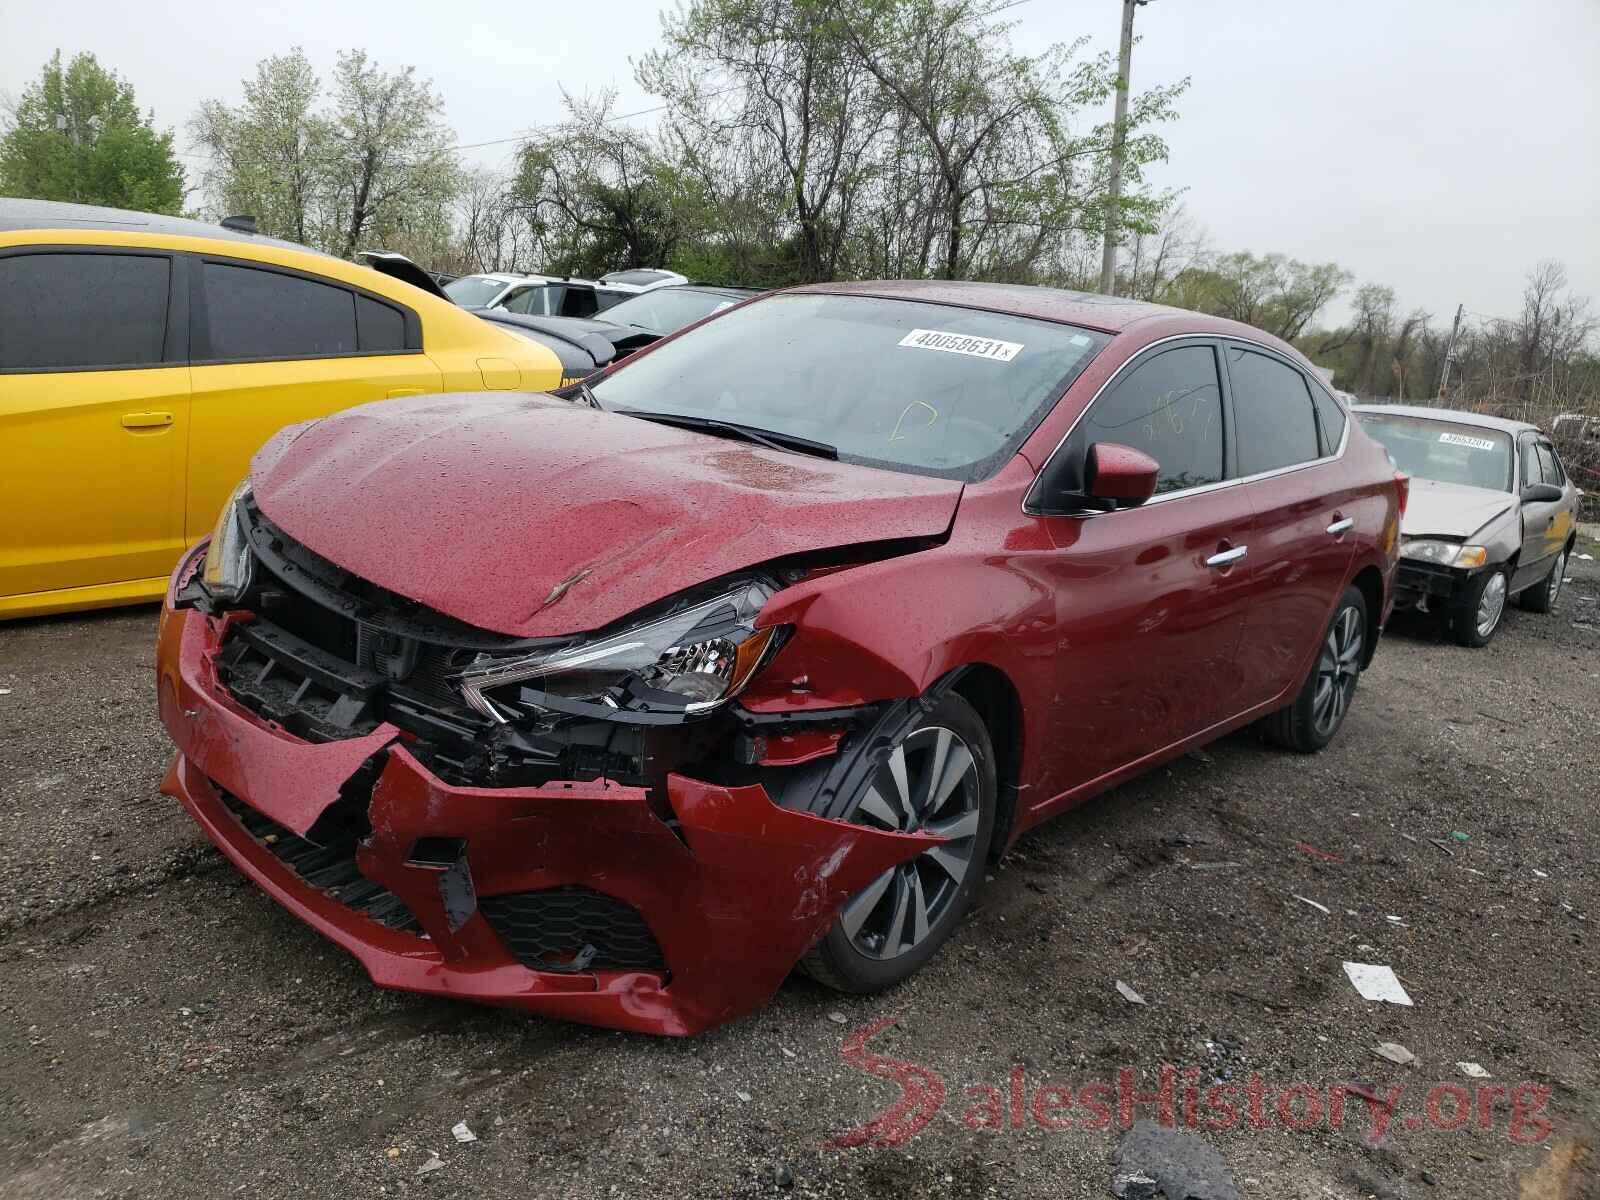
x: 618, y: 705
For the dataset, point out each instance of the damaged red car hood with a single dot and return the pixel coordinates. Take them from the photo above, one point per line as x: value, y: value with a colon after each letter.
x: 533, y: 516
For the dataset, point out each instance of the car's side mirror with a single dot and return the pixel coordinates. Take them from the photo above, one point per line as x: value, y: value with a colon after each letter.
x: 1541, y: 493
x: 1114, y: 472
x: 1105, y: 476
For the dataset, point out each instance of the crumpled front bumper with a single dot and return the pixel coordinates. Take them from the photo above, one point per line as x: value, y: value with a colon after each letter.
x: 733, y: 896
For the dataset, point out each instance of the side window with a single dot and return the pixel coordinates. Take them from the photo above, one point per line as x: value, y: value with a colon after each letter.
x: 60, y: 311
x: 1272, y: 411
x: 1331, y: 417
x: 1170, y: 407
x: 1550, y: 466
x: 265, y: 314
x: 379, y: 326
x: 579, y: 302
x: 1530, y: 463
x: 604, y: 298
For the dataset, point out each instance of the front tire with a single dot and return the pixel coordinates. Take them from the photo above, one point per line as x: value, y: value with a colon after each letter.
x: 939, y: 778
x: 1310, y: 723
x: 1475, y: 613
x: 1542, y: 596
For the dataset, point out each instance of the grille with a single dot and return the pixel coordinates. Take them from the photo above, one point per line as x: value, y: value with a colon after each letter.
x: 330, y: 868
x: 572, y: 929
x: 424, y: 668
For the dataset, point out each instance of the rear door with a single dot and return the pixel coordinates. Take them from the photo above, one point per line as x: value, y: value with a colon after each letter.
x: 1305, y: 511
x: 1153, y: 598
x: 94, y: 412
x: 274, y: 346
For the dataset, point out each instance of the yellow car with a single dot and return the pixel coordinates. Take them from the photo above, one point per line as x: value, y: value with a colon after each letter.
x: 144, y: 359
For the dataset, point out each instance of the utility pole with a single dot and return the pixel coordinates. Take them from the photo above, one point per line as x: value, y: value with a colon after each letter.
x: 1449, y: 352
x: 1119, y: 138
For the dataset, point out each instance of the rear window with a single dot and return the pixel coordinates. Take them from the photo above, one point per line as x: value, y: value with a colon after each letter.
x: 667, y: 309
x: 73, y: 311
x: 893, y: 383
x: 255, y: 314
x: 1444, y: 451
x: 473, y: 291
x: 1275, y: 422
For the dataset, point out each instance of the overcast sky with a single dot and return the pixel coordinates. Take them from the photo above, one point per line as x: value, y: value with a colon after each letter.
x: 1440, y: 146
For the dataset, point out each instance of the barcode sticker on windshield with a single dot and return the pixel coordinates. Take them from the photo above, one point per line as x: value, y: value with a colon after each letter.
x: 961, y: 343
x: 1461, y: 439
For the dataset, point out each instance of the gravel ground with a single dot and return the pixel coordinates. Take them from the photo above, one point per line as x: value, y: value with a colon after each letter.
x: 166, y: 1029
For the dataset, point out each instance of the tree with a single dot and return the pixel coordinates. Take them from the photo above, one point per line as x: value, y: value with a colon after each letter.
x: 392, y: 166
x: 1004, y: 174
x: 801, y: 109
x: 270, y: 155
x: 375, y: 167
x: 601, y: 194
x: 77, y: 134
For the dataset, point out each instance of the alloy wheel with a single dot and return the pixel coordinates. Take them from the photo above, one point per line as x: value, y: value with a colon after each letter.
x: 928, y: 784
x: 1338, y: 668
x: 1557, y: 578
x: 1492, y: 603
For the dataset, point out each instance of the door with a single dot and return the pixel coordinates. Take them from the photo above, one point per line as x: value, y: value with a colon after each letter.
x: 1538, y: 519
x: 94, y: 412
x: 1302, y: 544
x: 1559, y: 522
x: 275, y: 347
x: 1151, y: 600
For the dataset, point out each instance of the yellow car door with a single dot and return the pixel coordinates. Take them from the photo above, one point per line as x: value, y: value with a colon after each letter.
x: 94, y: 412
x: 273, y: 346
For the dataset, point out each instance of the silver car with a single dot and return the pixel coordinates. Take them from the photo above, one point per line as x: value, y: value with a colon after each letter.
x: 1492, y: 515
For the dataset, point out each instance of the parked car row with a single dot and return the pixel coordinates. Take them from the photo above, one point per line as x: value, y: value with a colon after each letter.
x: 748, y: 647
x: 555, y: 295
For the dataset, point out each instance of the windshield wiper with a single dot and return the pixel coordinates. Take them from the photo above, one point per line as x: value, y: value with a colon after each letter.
x: 588, y: 395
x: 772, y: 439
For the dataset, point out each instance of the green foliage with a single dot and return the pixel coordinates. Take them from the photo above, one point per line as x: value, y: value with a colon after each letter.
x: 814, y: 139
x: 367, y: 164
x: 77, y: 134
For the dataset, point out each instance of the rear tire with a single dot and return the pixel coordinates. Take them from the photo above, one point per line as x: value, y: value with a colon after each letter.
x: 1310, y: 723
x: 878, y: 937
x: 1475, y: 613
x: 1542, y: 596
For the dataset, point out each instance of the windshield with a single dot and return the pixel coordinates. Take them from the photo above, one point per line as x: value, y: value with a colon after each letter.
x: 667, y: 309
x: 892, y: 383
x: 1444, y: 451
x: 473, y: 291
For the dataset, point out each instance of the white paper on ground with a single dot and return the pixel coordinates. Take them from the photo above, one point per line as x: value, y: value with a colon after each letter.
x: 1376, y: 982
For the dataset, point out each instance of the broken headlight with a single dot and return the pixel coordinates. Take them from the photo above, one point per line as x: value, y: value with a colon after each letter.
x: 229, y: 563
x: 689, y: 661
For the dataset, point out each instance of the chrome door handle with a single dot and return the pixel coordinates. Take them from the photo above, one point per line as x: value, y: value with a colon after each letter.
x: 1225, y: 558
x: 1341, y: 525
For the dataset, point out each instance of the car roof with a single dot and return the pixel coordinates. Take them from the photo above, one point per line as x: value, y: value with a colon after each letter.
x: 1110, y: 314
x: 639, y: 276
x: 1482, y: 420
x: 17, y: 215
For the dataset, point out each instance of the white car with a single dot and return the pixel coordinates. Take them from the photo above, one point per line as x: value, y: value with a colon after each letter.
x: 536, y: 295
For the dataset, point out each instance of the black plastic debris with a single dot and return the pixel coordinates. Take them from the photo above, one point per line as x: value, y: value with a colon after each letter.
x: 1154, y: 1161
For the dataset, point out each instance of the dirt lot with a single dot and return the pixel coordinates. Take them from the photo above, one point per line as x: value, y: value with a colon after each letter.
x: 167, y: 1030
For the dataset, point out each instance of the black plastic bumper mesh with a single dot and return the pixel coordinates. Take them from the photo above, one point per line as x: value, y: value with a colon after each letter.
x: 330, y: 868
x: 572, y: 928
